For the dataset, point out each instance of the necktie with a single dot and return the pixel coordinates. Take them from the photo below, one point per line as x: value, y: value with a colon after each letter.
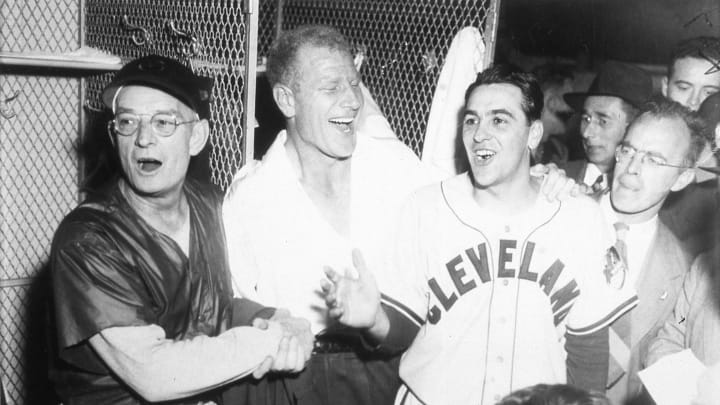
x: 620, y: 343
x: 621, y: 230
x: 598, y: 186
x: 616, y: 259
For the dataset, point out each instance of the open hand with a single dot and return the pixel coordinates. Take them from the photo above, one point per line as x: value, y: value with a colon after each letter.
x: 352, y: 301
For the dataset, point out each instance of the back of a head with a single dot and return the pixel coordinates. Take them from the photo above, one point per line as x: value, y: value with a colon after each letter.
x: 710, y: 111
x: 532, y: 104
x: 664, y: 108
x: 281, y: 58
x: 707, y: 48
x: 557, y: 394
x: 551, y: 75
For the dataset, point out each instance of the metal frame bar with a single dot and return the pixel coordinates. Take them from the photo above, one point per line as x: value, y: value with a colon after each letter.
x: 490, y: 32
x: 250, y: 82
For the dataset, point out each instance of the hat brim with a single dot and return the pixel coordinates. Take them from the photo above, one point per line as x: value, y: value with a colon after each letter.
x: 576, y: 101
x: 108, y: 95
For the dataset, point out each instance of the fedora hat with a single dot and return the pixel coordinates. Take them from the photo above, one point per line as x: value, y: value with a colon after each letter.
x: 616, y: 79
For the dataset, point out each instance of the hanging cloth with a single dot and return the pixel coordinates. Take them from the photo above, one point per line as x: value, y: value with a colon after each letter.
x: 442, y: 146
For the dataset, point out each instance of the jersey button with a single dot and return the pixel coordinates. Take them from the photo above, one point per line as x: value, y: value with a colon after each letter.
x: 507, y: 228
x: 505, y: 282
x: 500, y: 359
x: 497, y: 397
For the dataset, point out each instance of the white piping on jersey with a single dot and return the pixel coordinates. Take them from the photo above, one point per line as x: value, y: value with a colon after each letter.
x: 402, y: 309
x: 619, y: 311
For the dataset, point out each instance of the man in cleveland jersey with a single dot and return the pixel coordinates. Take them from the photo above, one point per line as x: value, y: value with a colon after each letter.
x: 505, y: 288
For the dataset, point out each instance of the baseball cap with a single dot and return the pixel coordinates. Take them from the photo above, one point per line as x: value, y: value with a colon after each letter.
x: 167, y: 75
x: 616, y: 79
x: 710, y: 111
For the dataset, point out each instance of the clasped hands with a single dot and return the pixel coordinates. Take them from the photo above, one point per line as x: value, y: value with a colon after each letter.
x: 295, y: 346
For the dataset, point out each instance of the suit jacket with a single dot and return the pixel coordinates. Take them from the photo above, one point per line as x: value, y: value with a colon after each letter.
x: 575, y: 169
x: 658, y: 286
x: 695, y: 321
x: 690, y: 215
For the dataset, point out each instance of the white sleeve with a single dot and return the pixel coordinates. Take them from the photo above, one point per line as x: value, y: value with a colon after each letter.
x: 160, y: 369
x: 243, y: 266
x: 598, y: 304
x: 403, y: 283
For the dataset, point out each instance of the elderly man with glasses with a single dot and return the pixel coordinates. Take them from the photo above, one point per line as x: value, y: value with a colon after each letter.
x: 656, y: 157
x: 143, y: 304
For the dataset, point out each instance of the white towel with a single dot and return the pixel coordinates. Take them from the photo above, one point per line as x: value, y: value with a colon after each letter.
x: 465, y: 59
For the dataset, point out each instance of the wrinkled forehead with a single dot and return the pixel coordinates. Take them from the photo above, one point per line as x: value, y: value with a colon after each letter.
x: 494, y: 96
x: 311, y: 57
x: 145, y: 99
x: 668, y: 137
x: 603, y: 105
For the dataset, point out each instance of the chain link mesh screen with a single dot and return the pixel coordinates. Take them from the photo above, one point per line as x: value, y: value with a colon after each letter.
x: 38, y: 181
x: 405, y: 44
x: 267, y: 25
x: 219, y: 27
x: 405, y: 40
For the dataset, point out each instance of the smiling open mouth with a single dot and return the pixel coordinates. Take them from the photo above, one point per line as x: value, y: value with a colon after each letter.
x: 148, y: 164
x: 484, y: 154
x: 342, y: 123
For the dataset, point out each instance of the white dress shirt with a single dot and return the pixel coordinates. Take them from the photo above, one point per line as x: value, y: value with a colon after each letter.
x: 591, y: 174
x: 279, y: 242
x: 638, y: 239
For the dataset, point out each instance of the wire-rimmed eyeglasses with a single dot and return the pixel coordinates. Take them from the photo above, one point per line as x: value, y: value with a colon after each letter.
x: 624, y: 153
x: 163, y: 124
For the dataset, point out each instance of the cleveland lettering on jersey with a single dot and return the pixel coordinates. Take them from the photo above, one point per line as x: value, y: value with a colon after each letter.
x: 460, y: 268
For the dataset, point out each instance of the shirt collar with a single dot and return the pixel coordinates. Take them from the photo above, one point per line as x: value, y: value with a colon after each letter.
x: 647, y: 227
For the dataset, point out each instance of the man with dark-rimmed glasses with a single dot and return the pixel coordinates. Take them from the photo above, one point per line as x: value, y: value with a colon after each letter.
x: 656, y: 157
x: 143, y: 305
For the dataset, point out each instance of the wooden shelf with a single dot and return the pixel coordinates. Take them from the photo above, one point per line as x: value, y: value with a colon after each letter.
x: 62, y: 61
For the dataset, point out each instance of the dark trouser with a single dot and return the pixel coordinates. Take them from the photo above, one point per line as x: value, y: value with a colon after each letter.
x: 328, y: 379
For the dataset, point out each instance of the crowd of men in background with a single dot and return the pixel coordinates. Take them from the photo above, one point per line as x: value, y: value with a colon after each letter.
x: 340, y: 270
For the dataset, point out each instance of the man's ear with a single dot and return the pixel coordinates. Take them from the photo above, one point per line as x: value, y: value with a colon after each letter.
x: 199, y: 136
x: 111, y: 135
x: 535, y: 134
x: 685, y: 178
x: 285, y: 99
x: 664, y: 86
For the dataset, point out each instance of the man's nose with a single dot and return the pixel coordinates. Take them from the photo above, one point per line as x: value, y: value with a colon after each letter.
x: 144, y: 133
x: 352, y: 98
x: 480, y: 134
x: 635, y: 163
x: 588, y: 130
x: 694, y: 100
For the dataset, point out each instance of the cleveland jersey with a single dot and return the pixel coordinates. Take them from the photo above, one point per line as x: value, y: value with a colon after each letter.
x: 495, y: 296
